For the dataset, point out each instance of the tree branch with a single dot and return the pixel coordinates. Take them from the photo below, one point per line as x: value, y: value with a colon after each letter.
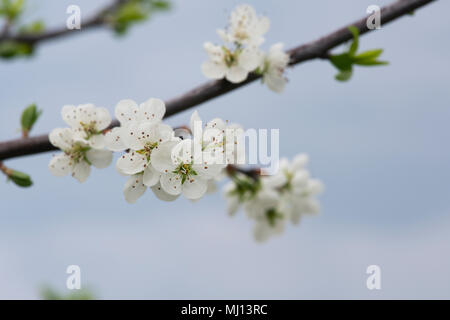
x: 94, y: 21
x: 209, y: 90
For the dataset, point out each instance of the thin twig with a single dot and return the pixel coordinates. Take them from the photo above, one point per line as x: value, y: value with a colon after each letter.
x: 97, y: 20
x: 209, y: 90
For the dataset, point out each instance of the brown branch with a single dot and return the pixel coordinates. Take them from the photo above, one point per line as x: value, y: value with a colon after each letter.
x: 209, y: 90
x: 97, y: 20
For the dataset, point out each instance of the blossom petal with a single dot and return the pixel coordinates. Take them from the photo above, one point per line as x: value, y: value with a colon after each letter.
x: 213, y: 70
x: 161, y: 157
x: 236, y: 74
x: 194, y: 188
x: 113, y: 139
x: 161, y: 194
x: 131, y: 163
x: 171, y: 183
x: 275, y: 82
x: 126, y: 110
x: 103, y: 118
x: 133, y: 135
x: 97, y: 141
x: 69, y: 115
x: 60, y: 165
x: 152, y: 110
x: 81, y: 171
x: 151, y: 176
x: 250, y: 59
x: 134, y: 188
x: 61, y: 138
x: 99, y: 158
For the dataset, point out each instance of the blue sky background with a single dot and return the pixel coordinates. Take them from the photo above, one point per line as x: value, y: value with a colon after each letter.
x: 380, y: 143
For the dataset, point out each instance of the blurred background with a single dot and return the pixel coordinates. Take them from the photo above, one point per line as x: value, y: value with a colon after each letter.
x: 380, y: 144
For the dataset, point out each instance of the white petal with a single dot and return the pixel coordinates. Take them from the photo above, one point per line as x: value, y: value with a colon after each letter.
x: 163, y: 133
x: 161, y: 157
x: 126, y: 110
x: 60, y: 165
x: 133, y: 135
x: 171, y: 183
x: 81, y: 171
x: 250, y: 59
x: 61, y: 138
x: 69, y: 115
x: 300, y: 161
x: 113, y: 139
x: 262, y: 26
x: 161, y: 194
x: 275, y: 83
x: 103, y: 118
x: 194, y: 188
x: 96, y: 141
x: 151, y: 176
x: 152, y: 110
x: 134, y: 188
x: 236, y: 74
x: 131, y: 163
x: 99, y: 158
x: 213, y: 70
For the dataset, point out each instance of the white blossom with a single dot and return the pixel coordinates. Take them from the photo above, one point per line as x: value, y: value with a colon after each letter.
x: 273, y: 201
x: 245, y: 27
x: 76, y: 157
x: 273, y: 66
x: 183, y: 168
x: 222, y: 141
x: 140, y: 133
x: 87, y: 122
x: 231, y: 65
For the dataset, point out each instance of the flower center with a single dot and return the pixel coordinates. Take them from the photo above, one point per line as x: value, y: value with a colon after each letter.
x: 148, y: 148
x: 90, y: 128
x: 78, y: 152
x: 185, y: 170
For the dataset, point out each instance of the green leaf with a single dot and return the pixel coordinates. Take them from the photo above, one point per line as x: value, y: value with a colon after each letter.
x: 370, y: 62
x: 13, y: 49
x: 368, y: 55
x: 344, y: 75
x: 11, y: 8
x: 342, y: 61
x: 29, y: 117
x: 19, y: 178
x: 35, y: 27
x: 355, y: 43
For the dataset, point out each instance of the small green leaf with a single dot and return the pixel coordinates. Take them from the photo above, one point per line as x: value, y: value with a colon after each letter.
x: 35, y: 27
x: 368, y: 55
x: 29, y: 117
x: 355, y: 43
x: 13, y: 49
x: 370, y: 62
x: 19, y: 178
x: 342, y: 61
x: 344, y: 75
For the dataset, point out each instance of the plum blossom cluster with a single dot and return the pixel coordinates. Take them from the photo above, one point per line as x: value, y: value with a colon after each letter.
x: 152, y: 155
x: 274, y: 201
x: 241, y: 54
x: 82, y: 143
